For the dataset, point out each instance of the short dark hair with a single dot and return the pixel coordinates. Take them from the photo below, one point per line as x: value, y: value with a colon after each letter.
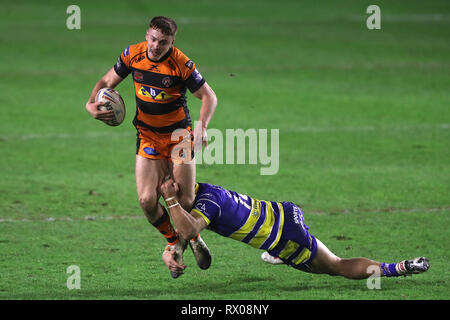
x: 164, y: 24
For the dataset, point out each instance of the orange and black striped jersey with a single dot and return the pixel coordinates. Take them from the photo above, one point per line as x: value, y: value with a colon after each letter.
x: 160, y: 87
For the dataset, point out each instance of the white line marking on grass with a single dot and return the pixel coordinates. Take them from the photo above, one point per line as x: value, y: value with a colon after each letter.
x: 416, y: 18
x: 85, y: 218
x: 85, y: 135
x: 443, y: 126
x: 375, y: 210
x: 109, y: 134
x: 314, y: 212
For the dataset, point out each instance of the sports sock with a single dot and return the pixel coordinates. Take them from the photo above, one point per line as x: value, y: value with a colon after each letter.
x: 394, y: 269
x: 164, y: 226
x: 196, y: 237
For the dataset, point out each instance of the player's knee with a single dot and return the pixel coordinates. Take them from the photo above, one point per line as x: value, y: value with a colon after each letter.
x: 335, y: 267
x: 340, y: 268
x: 332, y: 266
x: 149, y: 203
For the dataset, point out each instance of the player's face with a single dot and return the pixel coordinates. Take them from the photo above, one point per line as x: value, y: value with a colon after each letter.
x: 157, y: 43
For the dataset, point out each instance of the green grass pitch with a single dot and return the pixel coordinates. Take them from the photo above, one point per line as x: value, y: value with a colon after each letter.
x: 364, y: 148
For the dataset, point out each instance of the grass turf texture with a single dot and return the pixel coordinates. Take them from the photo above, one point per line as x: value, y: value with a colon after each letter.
x: 364, y: 145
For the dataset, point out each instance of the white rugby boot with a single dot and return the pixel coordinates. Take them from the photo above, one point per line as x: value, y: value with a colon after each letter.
x: 266, y: 257
x: 413, y: 266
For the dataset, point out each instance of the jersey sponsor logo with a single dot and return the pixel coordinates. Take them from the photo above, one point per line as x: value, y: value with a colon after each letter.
x: 151, y: 151
x: 201, y: 204
x: 298, y: 218
x: 197, y: 76
x: 256, y: 209
x: 155, y: 93
x: 201, y: 207
x: 154, y: 67
x: 139, y: 58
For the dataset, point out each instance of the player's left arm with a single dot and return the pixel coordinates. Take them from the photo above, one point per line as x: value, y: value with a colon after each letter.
x: 209, y: 103
x: 188, y: 224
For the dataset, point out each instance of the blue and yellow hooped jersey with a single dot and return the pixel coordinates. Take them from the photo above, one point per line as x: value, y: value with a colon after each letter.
x: 240, y: 217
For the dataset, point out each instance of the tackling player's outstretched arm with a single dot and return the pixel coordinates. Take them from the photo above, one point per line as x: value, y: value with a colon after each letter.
x: 110, y: 80
x: 188, y: 224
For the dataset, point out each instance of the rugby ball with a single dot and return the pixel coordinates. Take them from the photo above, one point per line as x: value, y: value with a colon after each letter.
x: 113, y: 101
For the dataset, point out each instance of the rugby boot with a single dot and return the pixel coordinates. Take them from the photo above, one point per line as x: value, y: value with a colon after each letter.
x: 201, y: 252
x: 416, y: 266
x: 266, y: 257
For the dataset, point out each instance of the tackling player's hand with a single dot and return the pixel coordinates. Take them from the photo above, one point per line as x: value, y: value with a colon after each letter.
x: 93, y: 109
x: 169, y: 188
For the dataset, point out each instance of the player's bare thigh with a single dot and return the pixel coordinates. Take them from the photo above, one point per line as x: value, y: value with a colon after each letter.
x: 184, y: 175
x: 149, y: 175
x: 325, y: 261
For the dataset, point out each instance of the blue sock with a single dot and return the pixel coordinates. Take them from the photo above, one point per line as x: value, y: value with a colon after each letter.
x: 389, y: 270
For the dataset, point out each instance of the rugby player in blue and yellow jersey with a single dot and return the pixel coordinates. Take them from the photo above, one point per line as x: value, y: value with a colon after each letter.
x: 161, y: 74
x: 276, y: 227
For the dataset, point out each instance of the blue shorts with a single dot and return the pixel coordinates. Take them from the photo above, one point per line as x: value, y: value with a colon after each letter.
x: 297, y: 247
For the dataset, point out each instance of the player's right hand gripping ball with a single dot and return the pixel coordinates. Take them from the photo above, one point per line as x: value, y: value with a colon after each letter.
x: 113, y: 101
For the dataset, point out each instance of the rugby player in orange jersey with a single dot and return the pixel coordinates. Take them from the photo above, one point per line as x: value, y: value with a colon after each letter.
x: 161, y: 74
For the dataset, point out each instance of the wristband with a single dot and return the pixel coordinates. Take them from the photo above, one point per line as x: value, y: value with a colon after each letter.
x: 170, y: 201
x: 173, y: 205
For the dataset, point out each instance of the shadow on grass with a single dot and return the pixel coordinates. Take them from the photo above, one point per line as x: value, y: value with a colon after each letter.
x: 236, y: 287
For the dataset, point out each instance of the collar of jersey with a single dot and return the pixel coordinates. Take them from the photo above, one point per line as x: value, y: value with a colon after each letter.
x: 164, y: 57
